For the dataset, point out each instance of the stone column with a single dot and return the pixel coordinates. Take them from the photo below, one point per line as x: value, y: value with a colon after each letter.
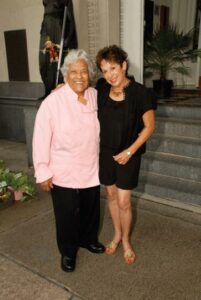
x: 97, y: 24
x: 109, y: 16
x: 198, y: 82
x: 93, y: 27
x: 132, y: 33
x: 81, y: 21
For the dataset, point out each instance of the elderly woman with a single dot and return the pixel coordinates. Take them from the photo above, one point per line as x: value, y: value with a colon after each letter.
x: 126, y: 115
x: 65, y: 155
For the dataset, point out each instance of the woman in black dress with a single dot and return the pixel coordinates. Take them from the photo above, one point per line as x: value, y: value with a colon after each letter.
x: 126, y: 115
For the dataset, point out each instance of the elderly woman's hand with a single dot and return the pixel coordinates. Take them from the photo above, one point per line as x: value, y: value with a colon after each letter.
x: 46, y: 185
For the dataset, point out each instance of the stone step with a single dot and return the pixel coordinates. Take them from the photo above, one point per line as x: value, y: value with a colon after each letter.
x: 185, y: 146
x: 172, y: 165
x: 167, y: 202
x: 172, y: 126
x: 186, y: 92
x: 180, y: 111
x: 168, y: 187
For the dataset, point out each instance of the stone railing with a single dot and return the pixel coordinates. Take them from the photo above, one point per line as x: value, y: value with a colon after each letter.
x: 19, y: 102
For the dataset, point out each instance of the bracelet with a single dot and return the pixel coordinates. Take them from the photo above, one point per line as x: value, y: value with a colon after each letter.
x: 128, y: 153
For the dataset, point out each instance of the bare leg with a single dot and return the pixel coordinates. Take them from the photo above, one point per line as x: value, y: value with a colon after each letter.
x: 114, y: 211
x: 119, y: 203
x: 125, y: 212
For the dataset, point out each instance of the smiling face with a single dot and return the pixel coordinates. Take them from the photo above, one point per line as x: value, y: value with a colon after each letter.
x: 78, y: 77
x: 113, y: 72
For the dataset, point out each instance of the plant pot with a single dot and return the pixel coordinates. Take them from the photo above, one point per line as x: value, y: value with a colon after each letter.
x: 18, y: 195
x: 163, y: 88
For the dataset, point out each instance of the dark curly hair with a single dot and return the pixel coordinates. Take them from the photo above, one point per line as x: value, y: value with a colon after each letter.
x: 111, y: 53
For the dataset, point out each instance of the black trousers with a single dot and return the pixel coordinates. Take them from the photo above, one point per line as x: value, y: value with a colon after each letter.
x: 77, y: 217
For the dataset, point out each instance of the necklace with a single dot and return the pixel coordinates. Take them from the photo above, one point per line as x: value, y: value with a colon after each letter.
x: 119, y: 93
x: 116, y: 94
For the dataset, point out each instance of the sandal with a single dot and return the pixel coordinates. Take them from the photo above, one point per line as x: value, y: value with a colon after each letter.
x: 129, y: 256
x: 111, y: 248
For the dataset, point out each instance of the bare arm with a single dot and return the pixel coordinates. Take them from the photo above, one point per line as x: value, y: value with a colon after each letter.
x: 149, y: 125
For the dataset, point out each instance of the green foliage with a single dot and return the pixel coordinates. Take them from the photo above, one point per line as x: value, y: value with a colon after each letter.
x: 17, y: 181
x: 4, y: 192
x: 3, y: 186
x: 2, y: 165
x: 21, y: 182
x: 168, y: 50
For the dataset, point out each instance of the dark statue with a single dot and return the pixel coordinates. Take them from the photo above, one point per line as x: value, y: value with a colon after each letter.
x: 50, y: 38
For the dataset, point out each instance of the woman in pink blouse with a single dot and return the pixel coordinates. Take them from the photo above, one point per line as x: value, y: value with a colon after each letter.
x: 65, y: 156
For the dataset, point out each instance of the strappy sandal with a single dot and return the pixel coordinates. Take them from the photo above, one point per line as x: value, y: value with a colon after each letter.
x: 129, y: 256
x: 111, y: 248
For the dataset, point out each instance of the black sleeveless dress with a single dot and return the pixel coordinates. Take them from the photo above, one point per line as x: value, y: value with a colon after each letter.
x: 111, y: 135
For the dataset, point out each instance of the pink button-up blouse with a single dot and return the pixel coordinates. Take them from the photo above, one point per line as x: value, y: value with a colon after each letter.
x: 66, y: 139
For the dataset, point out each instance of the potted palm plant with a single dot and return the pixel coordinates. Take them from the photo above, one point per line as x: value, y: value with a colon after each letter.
x: 168, y: 50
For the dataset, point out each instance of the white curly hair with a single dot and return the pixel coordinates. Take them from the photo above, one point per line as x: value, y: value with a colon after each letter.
x: 73, y: 56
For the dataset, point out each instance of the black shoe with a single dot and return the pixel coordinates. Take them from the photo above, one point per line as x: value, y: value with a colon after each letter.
x: 94, y: 247
x: 68, y: 263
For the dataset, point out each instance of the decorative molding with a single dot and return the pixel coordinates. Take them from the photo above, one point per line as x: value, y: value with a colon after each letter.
x: 121, y: 17
x: 93, y: 27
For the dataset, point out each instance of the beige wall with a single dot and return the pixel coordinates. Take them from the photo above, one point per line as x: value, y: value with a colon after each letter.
x: 27, y: 14
x: 105, y: 25
x: 21, y: 14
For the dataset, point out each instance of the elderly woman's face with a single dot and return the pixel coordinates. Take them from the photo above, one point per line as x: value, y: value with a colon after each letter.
x: 78, y: 77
